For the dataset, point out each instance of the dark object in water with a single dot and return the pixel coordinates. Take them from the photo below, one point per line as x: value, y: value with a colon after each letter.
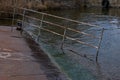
x: 105, y: 3
x: 19, y: 27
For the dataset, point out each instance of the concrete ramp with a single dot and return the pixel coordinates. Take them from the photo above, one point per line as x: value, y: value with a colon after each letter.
x: 16, y: 62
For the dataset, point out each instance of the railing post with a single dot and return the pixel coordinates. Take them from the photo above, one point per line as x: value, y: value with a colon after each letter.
x: 13, y: 19
x: 15, y: 5
x: 99, y: 45
x: 41, y: 24
x: 23, y: 20
x: 62, y: 44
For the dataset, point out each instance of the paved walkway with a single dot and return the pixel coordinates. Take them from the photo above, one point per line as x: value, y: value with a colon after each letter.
x: 16, y: 62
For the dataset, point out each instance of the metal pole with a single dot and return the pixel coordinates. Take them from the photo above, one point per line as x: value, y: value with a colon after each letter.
x: 24, y: 10
x: 99, y: 45
x: 62, y: 44
x: 23, y: 20
x: 23, y: 16
x: 13, y: 15
x: 41, y: 23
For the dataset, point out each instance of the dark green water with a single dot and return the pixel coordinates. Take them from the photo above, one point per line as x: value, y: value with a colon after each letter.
x: 78, y: 62
x: 79, y: 67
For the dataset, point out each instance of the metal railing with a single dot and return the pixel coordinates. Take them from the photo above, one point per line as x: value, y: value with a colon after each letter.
x: 64, y: 36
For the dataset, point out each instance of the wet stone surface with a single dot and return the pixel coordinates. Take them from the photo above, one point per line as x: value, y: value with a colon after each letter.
x: 16, y: 62
x: 21, y: 60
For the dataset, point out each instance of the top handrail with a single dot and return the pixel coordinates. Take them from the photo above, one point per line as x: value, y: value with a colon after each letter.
x: 81, y: 32
x: 84, y: 23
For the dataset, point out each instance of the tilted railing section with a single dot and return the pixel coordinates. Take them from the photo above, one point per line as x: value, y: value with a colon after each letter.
x: 25, y: 14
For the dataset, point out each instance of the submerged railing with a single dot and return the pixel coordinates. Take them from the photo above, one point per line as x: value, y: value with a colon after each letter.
x: 24, y: 13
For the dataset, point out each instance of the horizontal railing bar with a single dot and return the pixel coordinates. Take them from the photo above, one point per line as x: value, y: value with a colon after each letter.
x: 31, y: 24
x: 18, y: 20
x: 6, y: 18
x: 84, y: 33
x: 6, y: 12
x: 81, y: 55
x: 65, y: 36
x: 20, y: 14
x: 82, y: 42
x: 71, y: 29
x: 64, y: 27
x: 60, y: 17
x: 71, y: 38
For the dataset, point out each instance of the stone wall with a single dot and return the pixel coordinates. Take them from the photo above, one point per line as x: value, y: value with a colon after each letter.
x: 36, y: 4
x: 113, y: 3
